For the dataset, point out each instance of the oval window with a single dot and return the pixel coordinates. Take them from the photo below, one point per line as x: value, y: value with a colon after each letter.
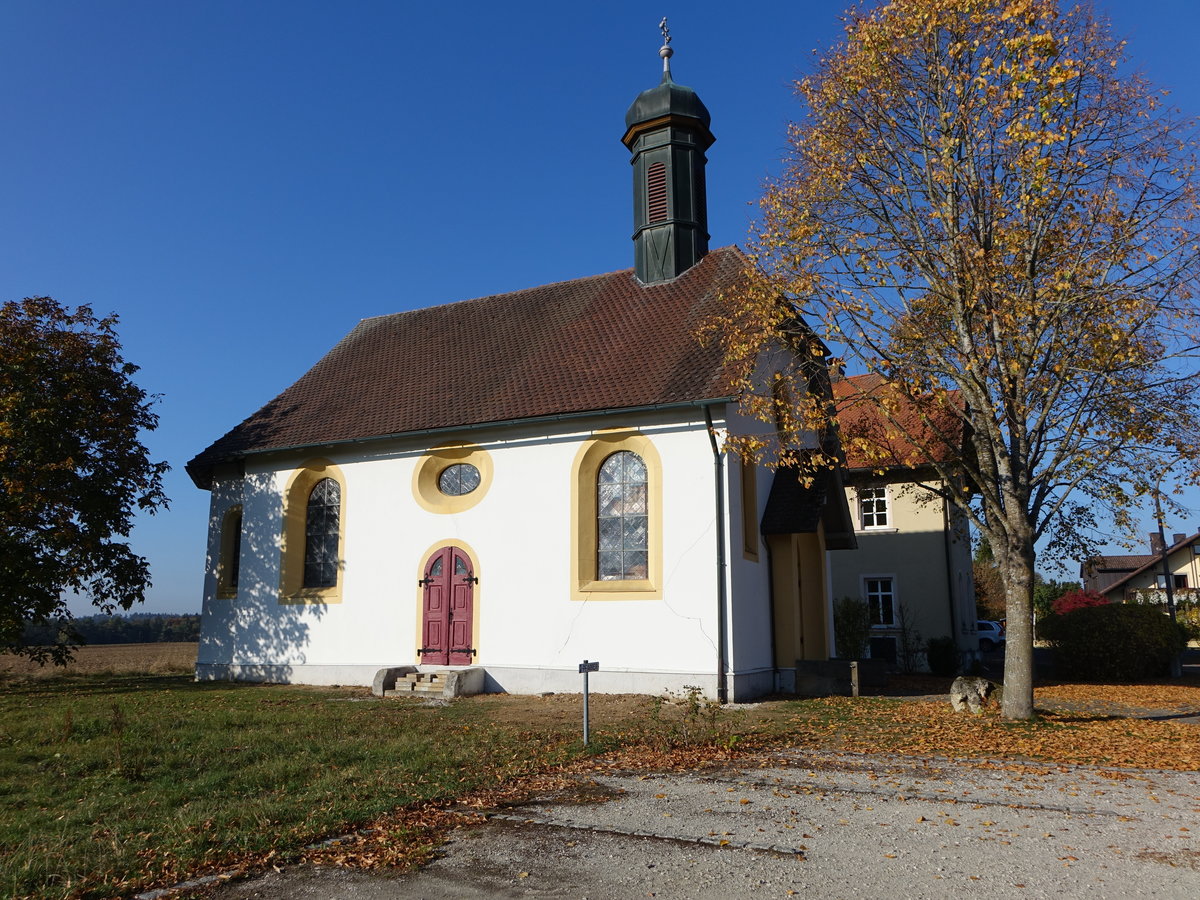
x: 458, y: 479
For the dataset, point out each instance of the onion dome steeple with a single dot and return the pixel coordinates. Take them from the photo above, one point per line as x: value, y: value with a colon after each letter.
x: 666, y: 130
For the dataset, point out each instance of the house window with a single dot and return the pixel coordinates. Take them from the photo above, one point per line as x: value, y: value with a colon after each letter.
x: 322, y: 534
x: 313, y: 541
x: 616, y: 507
x: 1177, y: 581
x: 873, y: 508
x: 881, y: 600
x: 883, y: 648
x: 622, y: 524
x: 229, y: 559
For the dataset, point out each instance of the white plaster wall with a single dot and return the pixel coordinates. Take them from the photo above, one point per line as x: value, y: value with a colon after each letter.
x: 214, y: 613
x: 750, y: 581
x: 520, y: 535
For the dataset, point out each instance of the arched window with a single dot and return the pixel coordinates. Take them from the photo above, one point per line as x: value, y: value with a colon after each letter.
x: 322, y: 531
x: 229, y: 559
x: 235, y: 550
x: 622, y: 518
x: 617, y: 518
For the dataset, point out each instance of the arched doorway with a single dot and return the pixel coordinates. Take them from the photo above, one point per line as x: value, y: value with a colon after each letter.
x: 448, y: 608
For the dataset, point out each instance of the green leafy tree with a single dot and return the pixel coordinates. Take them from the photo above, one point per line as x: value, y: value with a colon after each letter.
x: 983, y: 209
x: 73, y: 471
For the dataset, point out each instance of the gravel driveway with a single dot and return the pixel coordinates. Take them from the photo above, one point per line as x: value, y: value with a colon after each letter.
x: 827, y: 825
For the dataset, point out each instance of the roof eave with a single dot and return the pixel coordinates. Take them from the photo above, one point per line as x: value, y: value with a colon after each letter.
x: 201, y: 474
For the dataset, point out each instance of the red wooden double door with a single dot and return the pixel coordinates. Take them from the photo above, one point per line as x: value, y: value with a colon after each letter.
x: 448, y: 609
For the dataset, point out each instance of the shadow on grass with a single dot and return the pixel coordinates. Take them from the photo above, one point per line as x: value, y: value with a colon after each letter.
x: 120, y: 684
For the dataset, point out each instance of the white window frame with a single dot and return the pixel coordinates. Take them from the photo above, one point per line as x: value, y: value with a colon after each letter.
x: 895, y: 600
x: 884, y: 496
x: 1160, y: 581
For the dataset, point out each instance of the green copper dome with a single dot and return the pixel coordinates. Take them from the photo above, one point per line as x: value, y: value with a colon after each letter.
x: 667, y: 99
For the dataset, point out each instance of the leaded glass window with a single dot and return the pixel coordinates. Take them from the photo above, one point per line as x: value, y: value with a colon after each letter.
x: 322, y: 529
x: 622, y: 523
x: 458, y: 479
x: 235, y: 550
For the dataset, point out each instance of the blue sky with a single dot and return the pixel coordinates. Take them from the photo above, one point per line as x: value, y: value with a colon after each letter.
x: 243, y: 181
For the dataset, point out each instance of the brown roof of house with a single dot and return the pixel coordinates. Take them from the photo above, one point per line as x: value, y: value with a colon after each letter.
x: 1122, y: 563
x: 598, y: 343
x: 872, y: 441
x: 1148, y: 562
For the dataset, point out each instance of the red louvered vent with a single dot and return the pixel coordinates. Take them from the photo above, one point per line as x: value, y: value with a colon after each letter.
x: 656, y: 193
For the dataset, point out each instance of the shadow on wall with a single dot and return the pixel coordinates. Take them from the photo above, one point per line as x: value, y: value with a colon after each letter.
x: 246, y: 633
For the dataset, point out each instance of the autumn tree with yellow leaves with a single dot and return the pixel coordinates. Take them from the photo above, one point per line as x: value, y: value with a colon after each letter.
x: 982, y: 206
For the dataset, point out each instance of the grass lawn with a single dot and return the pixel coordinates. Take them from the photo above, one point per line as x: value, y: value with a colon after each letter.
x: 116, y: 782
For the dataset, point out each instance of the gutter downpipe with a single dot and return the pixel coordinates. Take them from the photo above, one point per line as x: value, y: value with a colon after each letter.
x: 771, y: 610
x: 722, y: 563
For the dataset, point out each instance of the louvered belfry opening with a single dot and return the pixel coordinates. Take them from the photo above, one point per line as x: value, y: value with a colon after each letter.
x: 656, y: 193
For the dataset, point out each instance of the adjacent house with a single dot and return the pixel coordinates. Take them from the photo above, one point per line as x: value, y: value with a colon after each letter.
x: 1141, y: 579
x: 912, y: 564
x: 522, y: 482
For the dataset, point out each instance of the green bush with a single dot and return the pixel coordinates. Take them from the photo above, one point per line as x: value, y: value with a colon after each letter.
x: 943, y: 656
x: 851, y: 627
x: 1114, y: 642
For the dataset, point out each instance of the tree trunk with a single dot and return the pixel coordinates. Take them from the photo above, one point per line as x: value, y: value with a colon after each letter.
x: 1017, y: 572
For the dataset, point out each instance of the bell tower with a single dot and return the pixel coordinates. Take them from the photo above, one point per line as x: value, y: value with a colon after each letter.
x: 666, y: 130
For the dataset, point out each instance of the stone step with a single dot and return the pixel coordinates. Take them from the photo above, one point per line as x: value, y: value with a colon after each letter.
x: 420, y: 683
x: 403, y: 680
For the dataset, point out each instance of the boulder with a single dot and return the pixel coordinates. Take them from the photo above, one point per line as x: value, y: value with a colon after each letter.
x: 970, y: 693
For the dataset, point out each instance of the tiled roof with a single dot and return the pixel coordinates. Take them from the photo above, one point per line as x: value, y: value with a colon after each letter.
x: 598, y: 343
x: 915, y: 443
x: 1148, y: 562
x: 1122, y: 563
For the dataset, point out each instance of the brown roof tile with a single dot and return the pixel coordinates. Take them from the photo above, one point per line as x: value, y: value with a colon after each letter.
x: 604, y: 342
x: 1122, y: 563
x: 865, y: 428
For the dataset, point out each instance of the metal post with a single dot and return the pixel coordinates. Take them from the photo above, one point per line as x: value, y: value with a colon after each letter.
x: 585, y: 668
x: 1166, y: 561
x: 1177, y: 659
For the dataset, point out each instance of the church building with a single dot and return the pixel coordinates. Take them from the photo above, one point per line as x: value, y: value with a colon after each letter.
x: 557, y: 494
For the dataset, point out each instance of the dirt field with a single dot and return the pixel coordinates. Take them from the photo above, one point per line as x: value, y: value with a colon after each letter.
x: 111, y: 659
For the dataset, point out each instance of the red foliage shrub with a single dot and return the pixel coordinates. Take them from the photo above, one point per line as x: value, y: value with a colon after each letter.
x: 1073, y: 600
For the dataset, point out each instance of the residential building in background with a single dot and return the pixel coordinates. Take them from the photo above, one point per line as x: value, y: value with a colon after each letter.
x: 912, y: 564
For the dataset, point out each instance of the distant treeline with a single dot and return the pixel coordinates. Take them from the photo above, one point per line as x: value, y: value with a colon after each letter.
x: 138, y: 628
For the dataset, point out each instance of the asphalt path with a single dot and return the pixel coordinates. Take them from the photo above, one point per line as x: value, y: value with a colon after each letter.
x: 817, y: 824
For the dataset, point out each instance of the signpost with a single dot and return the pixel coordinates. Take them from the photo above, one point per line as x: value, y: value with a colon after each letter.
x: 584, y: 668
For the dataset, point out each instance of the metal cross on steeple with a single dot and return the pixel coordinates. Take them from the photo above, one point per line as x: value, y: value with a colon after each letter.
x: 665, y: 51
